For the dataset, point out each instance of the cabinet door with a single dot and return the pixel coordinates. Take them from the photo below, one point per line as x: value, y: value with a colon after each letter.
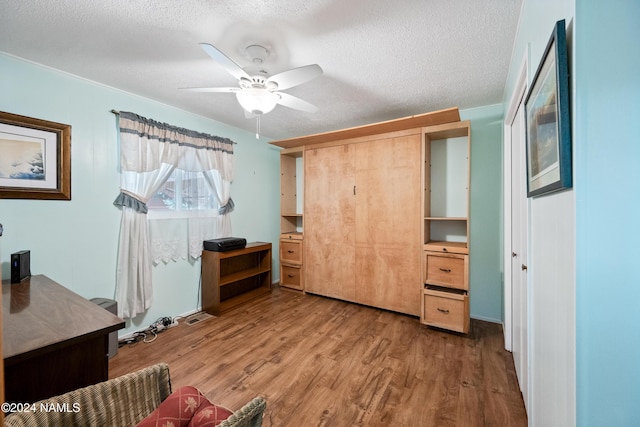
x: 329, y: 224
x: 388, y: 220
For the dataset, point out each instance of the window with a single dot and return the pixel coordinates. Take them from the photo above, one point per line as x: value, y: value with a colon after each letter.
x: 183, y: 195
x: 181, y: 215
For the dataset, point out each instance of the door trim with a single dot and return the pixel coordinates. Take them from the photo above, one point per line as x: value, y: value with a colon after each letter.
x: 515, y: 101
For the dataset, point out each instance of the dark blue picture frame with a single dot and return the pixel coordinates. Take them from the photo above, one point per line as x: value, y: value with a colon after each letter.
x: 548, y: 120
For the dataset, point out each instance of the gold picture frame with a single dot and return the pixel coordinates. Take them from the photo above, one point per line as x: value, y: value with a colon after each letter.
x: 35, y: 158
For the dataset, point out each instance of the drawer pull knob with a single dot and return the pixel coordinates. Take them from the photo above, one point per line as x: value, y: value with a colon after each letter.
x: 446, y: 270
x: 443, y: 310
x: 290, y: 251
x: 290, y: 275
x: 444, y: 249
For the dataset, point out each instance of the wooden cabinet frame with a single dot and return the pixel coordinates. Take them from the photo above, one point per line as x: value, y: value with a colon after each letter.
x: 233, y: 277
x: 446, y: 230
x: 334, y: 254
x: 291, y: 219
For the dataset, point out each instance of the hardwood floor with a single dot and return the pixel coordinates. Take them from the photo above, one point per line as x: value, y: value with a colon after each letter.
x: 323, y: 362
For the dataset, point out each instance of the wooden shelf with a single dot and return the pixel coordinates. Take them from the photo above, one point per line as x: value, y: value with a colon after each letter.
x: 449, y: 130
x: 452, y: 244
x: 241, y: 275
x: 227, y: 305
x: 230, y: 278
x: 444, y: 218
x: 442, y: 246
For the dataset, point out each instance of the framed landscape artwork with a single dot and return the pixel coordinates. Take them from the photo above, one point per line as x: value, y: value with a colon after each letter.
x: 35, y: 158
x: 548, y: 121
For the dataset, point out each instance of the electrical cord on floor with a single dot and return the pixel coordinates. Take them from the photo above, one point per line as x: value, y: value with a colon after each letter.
x: 150, y: 334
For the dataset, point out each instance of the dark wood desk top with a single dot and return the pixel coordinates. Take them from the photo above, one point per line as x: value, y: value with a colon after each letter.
x: 39, y: 315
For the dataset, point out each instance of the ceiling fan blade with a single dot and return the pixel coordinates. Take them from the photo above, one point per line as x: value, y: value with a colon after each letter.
x: 296, y: 76
x: 227, y: 63
x: 212, y: 89
x: 295, y: 103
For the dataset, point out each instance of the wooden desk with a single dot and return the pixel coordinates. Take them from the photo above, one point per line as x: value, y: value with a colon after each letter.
x: 54, y: 340
x: 233, y: 277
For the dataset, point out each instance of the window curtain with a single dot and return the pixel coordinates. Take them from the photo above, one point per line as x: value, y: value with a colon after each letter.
x: 167, y: 239
x: 149, y: 152
x: 173, y: 239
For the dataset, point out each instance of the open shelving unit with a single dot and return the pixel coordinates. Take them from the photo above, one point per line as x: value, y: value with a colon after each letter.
x: 447, y: 172
x: 291, y: 218
x: 447, y: 184
x: 234, y: 277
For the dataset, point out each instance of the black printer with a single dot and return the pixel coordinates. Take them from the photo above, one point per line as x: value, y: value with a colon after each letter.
x: 224, y: 244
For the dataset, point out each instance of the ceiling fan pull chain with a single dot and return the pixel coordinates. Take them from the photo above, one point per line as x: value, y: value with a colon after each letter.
x: 258, y: 126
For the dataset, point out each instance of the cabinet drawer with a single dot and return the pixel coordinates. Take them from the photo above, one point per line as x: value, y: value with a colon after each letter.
x: 446, y: 309
x: 291, y: 251
x: 291, y: 277
x: 291, y: 235
x: 451, y: 270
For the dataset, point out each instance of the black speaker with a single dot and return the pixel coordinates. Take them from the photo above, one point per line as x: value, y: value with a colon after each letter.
x: 20, y: 266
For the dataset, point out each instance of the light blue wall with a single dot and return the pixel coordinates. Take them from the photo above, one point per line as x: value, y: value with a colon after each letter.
x: 485, y: 251
x: 608, y: 201
x: 75, y: 242
x: 605, y: 59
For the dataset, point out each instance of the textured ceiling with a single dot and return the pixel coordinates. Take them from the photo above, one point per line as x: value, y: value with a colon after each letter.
x: 381, y: 59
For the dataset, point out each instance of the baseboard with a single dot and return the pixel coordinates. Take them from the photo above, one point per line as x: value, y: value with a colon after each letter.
x: 487, y: 319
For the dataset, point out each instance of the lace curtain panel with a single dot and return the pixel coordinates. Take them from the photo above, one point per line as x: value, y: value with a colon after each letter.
x: 180, y: 238
x: 149, y: 152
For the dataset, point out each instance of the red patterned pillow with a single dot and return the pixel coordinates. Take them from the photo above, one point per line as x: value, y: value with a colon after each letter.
x: 186, y: 407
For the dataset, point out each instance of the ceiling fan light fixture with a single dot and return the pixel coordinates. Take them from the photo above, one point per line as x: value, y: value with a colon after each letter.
x: 257, y: 101
x: 258, y: 92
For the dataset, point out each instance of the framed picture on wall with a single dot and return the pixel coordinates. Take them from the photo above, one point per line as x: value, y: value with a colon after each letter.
x: 35, y: 158
x: 548, y: 121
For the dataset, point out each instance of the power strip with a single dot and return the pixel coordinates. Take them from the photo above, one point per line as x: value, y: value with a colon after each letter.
x: 166, y: 322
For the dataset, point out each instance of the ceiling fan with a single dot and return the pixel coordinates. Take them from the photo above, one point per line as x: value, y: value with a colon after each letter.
x: 257, y: 92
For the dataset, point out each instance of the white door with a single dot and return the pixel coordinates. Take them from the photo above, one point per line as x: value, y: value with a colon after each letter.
x: 519, y: 242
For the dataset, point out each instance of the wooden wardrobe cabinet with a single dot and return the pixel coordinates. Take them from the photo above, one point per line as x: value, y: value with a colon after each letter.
x: 388, y: 222
x: 364, y: 236
x: 362, y: 221
x: 330, y: 215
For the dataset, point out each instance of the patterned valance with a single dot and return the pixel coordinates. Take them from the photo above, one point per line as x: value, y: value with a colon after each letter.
x: 146, y: 143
